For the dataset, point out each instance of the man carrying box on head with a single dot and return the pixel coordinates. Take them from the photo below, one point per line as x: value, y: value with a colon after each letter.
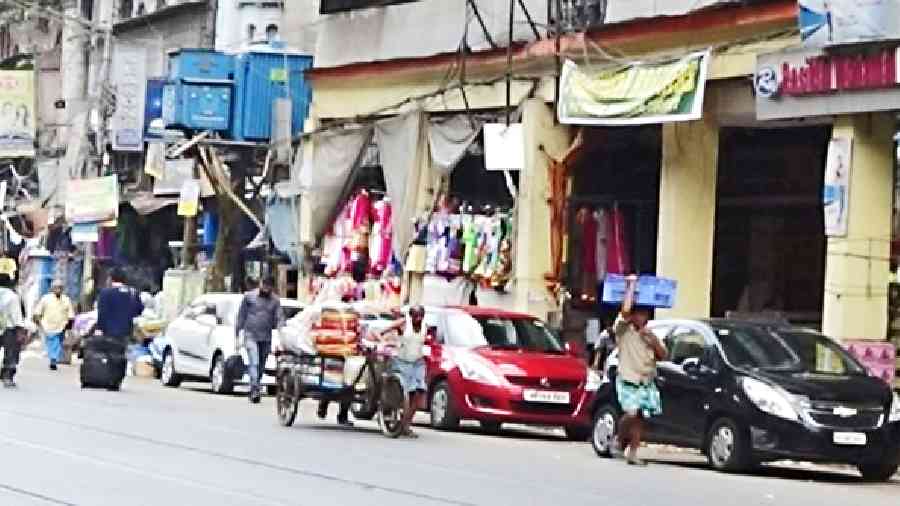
x: 639, y: 350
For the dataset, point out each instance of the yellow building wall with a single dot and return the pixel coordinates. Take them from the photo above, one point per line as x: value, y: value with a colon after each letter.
x: 687, y: 213
x: 856, y: 273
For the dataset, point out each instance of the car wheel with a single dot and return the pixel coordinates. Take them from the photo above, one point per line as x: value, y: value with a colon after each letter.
x: 578, y: 433
x: 879, y: 470
x: 606, y: 424
x: 168, y: 376
x: 728, y: 446
x: 491, y: 427
x: 443, y: 416
x: 219, y: 378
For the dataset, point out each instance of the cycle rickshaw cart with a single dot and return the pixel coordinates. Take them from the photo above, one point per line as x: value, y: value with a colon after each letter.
x: 373, y: 392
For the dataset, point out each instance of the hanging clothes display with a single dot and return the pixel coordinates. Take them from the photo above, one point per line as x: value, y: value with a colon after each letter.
x: 588, y: 254
x: 618, y: 260
x: 380, y: 240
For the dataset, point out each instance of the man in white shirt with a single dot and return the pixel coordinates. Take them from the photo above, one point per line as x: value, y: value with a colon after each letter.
x: 12, y: 328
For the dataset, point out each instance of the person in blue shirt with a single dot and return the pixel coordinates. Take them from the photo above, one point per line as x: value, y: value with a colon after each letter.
x: 117, y: 307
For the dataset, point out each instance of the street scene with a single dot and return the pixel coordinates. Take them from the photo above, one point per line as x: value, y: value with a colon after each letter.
x: 468, y: 252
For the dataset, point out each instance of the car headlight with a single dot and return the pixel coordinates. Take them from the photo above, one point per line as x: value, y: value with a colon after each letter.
x: 474, y: 368
x: 594, y: 380
x: 769, y: 399
x: 895, y: 409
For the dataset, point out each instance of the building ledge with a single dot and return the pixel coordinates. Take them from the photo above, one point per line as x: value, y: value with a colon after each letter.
x: 166, y: 12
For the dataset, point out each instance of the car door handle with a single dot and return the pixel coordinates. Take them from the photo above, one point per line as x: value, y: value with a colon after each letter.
x: 660, y: 380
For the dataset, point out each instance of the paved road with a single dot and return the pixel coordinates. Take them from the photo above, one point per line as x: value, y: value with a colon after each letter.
x: 149, y: 445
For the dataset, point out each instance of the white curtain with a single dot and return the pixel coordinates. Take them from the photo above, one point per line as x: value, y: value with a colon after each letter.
x: 449, y: 138
x: 323, y: 175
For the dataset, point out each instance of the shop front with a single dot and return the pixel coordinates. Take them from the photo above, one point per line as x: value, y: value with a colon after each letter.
x: 858, y: 88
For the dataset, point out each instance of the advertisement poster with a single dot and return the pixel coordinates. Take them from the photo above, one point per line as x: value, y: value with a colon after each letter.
x: 92, y: 200
x: 836, y: 198
x: 831, y: 22
x: 635, y: 94
x: 130, y: 81
x: 17, y: 120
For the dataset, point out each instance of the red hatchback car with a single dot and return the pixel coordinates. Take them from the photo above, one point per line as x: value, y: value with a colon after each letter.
x: 499, y: 367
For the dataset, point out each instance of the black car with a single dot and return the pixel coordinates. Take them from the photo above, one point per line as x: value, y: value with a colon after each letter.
x: 745, y: 393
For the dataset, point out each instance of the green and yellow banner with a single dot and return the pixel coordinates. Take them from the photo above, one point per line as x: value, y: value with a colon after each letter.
x: 635, y: 93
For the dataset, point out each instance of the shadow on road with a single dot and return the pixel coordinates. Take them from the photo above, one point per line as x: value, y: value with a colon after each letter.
x: 776, y: 471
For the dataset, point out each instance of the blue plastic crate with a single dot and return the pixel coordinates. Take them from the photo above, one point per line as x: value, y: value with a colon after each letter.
x: 201, y: 64
x: 651, y: 291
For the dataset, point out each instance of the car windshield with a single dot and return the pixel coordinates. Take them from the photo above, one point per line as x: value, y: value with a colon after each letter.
x: 793, y: 350
x: 502, y: 333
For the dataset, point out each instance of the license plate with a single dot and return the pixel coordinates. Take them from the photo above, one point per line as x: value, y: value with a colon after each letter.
x: 849, y: 438
x: 546, y: 396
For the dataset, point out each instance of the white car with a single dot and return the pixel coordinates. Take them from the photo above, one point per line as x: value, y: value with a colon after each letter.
x: 202, y: 345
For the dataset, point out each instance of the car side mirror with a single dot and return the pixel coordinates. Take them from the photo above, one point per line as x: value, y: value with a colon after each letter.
x: 574, y: 349
x: 691, y: 365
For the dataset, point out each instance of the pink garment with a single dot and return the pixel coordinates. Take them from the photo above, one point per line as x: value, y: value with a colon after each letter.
x: 380, y: 241
x: 618, y: 260
x: 361, y: 210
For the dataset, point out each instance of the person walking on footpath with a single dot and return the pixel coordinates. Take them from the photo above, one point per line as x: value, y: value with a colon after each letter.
x: 53, y: 314
x: 260, y: 313
x: 13, y: 330
x: 639, y: 350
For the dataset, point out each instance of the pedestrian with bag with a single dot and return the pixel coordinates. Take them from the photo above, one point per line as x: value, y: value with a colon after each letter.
x: 14, y: 335
x: 104, y: 362
x: 53, y: 314
x: 639, y: 350
x: 260, y: 313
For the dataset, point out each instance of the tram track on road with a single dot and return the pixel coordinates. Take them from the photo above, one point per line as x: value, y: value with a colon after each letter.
x: 360, y: 484
x: 35, y: 495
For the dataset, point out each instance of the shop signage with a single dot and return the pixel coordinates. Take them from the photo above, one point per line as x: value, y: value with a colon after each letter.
x: 17, y: 120
x: 92, y: 200
x: 836, y: 194
x: 634, y: 94
x: 130, y: 80
x: 813, y: 83
x: 832, y: 22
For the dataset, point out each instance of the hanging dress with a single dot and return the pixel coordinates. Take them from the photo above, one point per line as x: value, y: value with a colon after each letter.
x: 618, y: 260
x: 380, y: 240
x: 588, y: 256
x: 600, y: 218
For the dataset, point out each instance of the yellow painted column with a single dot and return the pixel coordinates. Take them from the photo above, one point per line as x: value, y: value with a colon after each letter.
x: 856, y: 272
x: 687, y: 213
x: 532, y: 250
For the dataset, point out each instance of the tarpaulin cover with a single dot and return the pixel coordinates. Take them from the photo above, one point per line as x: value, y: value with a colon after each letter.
x: 449, y: 138
x: 400, y: 144
x: 322, y: 178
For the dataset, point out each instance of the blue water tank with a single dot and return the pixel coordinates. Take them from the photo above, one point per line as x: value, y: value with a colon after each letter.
x: 197, y: 105
x: 262, y: 76
x: 201, y: 64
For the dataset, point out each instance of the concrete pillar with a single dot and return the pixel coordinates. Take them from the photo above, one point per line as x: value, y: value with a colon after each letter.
x: 687, y: 213
x: 856, y: 272
x: 532, y: 258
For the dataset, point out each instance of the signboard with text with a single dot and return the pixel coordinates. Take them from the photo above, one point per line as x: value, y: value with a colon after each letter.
x: 833, y: 22
x: 811, y: 82
x: 130, y: 80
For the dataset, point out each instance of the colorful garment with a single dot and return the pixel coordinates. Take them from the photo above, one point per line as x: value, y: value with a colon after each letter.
x: 380, y: 240
x: 470, y: 244
x: 640, y: 398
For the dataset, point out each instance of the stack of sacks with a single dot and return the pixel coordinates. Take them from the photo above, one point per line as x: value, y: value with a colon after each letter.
x: 337, y: 332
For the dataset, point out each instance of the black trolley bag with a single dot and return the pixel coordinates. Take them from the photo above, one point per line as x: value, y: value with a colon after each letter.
x: 104, y: 363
